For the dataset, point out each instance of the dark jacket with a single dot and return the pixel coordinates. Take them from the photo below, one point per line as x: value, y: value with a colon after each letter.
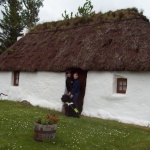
x: 76, y: 87
x: 69, y: 84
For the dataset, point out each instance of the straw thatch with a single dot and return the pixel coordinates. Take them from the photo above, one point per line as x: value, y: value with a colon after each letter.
x: 108, y: 44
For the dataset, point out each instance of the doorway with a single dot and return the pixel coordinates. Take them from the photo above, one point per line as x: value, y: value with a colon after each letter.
x: 82, y: 78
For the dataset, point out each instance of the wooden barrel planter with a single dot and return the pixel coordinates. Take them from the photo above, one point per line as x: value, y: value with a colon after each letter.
x: 44, y: 132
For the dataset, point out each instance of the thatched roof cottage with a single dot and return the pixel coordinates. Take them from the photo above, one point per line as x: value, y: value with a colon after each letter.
x: 110, y: 51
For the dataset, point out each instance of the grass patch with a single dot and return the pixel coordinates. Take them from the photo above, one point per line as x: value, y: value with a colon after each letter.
x: 16, y: 131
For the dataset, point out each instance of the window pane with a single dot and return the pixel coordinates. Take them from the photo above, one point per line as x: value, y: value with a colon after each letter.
x: 120, y: 82
x: 124, y: 88
x: 120, y: 87
x: 17, y: 81
x: 16, y: 78
x: 124, y: 83
x: 17, y: 75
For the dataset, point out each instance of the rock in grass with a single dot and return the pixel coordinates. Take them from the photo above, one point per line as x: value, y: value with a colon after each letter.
x: 26, y: 103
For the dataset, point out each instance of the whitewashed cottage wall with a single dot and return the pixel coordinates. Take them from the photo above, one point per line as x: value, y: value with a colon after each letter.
x: 40, y: 88
x: 101, y: 100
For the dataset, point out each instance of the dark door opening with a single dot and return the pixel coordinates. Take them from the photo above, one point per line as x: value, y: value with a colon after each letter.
x: 82, y: 78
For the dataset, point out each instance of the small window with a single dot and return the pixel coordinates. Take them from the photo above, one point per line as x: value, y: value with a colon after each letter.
x: 16, y: 78
x: 121, y: 85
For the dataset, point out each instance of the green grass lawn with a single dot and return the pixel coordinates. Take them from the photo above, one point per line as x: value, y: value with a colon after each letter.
x: 17, y: 123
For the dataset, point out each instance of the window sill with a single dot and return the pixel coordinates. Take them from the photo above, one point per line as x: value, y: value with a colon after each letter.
x: 119, y: 96
x: 116, y: 96
x: 14, y: 86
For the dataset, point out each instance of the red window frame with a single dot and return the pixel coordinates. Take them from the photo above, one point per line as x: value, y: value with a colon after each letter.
x: 16, y: 78
x: 121, y: 85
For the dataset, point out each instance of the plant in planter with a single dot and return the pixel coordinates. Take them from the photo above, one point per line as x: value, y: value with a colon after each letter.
x: 45, y: 128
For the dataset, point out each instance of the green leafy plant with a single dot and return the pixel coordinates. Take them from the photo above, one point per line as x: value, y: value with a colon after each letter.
x: 86, y: 9
x: 67, y: 16
x: 17, y: 15
x: 48, y: 120
x: 83, y: 11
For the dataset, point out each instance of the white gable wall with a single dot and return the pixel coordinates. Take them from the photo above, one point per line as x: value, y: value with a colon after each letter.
x: 40, y: 88
x: 101, y: 99
x: 5, y: 81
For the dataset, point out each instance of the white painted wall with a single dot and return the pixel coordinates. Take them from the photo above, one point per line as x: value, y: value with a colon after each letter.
x: 40, y: 88
x: 5, y: 82
x: 101, y: 100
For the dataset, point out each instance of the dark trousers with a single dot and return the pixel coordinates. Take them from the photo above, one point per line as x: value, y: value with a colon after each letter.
x: 75, y: 99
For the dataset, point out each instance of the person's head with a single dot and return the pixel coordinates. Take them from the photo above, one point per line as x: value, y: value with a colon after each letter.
x: 68, y: 73
x: 75, y: 75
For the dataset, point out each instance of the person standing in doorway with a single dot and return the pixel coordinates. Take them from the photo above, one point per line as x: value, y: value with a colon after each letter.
x: 69, y: 82
x: 76, y: 88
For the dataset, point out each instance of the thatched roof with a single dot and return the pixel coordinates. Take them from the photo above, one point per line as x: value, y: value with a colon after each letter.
x: 121, y: 43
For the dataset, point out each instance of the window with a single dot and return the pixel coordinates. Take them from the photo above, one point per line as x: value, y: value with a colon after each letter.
x: 121, y: 85
x: 16, y: 78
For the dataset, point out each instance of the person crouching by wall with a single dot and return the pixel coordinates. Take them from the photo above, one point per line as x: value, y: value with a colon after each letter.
x: 76, y: 88
x: 69, y: 81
